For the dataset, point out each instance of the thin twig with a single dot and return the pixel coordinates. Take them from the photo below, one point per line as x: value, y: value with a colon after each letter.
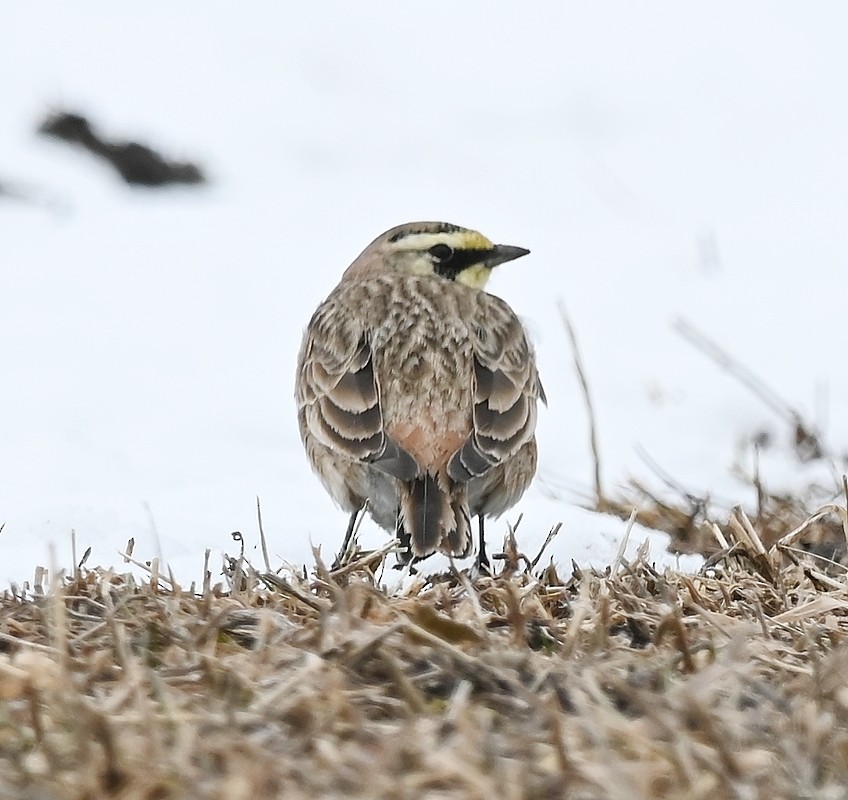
x: 262, y: 539
x: 795, y: 533
x: 622, y: 546
x: 738, y: 370
x: 151, y: 569
x: 281, y: 584
x: 844, y: 513
x: 587, y: 398
x: 807, y: 442
x: 548, y: 539
x: 694, y: 500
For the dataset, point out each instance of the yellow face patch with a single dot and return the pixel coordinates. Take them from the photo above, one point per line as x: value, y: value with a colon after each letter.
x: 419, y: 254
x: 476, y: 277
x: 458, y: 240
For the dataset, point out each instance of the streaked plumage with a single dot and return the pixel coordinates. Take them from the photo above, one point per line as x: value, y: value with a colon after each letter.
x: 416, y: 390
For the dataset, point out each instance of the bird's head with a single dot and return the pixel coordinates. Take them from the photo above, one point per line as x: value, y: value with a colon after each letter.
x: 435, y: 248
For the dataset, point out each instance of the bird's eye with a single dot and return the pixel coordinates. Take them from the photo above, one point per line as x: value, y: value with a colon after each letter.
x: 441, y: 252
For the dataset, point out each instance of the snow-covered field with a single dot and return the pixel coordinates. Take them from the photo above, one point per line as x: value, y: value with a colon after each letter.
x: 661, y: 161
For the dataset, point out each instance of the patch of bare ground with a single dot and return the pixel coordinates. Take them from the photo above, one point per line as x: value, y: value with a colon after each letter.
x: 631, y: 683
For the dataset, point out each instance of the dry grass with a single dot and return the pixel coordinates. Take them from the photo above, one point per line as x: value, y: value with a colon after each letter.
x: 628, y: 684
x: 687, y: 516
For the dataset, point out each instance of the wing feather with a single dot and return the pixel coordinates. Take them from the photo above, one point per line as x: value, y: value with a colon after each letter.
x: 506, y: 390
x: 339, y: 393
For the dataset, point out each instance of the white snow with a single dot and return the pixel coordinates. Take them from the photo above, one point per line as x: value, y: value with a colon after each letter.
x: 662, y: 161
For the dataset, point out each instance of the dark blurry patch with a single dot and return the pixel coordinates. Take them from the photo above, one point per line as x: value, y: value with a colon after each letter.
x: 136, y: 163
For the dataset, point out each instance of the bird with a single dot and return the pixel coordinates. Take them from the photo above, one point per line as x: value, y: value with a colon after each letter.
x: 417, y: 390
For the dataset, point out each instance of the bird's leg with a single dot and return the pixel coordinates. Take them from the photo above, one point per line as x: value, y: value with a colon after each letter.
x: 404, y: 557
x: 351, y: 526
x: 483, y: 564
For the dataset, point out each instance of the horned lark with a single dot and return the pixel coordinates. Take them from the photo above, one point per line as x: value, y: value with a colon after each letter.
x: 417, y: 390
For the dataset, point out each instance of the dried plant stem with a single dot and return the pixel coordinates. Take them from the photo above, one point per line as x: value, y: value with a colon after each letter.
x: 587, y: 399
x: 738, y: 370
x: 262, y: 539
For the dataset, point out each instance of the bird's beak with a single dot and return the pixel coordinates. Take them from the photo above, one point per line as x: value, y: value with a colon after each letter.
x: 503, y: 253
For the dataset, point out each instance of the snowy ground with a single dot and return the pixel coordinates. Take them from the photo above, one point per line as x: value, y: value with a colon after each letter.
x: 661, y: 161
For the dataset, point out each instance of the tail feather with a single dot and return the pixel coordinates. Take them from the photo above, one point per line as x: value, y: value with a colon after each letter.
x: 426, y: 515
x: 434, y: 518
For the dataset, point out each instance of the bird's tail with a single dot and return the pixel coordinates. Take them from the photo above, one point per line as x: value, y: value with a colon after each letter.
x: 433, y: 517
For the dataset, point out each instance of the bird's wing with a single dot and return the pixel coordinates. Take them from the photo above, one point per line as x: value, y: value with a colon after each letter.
x: 506, y: 389
x: 339, y: 394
